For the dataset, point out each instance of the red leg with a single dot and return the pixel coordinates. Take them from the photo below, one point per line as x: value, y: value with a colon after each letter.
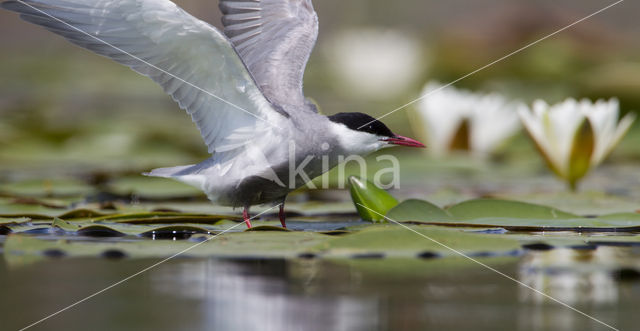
x: 245, y: 216
x: 281, y: 214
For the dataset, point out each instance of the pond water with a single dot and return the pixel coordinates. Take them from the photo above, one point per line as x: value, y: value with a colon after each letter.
x: 327, y: 294
x: 333, y: 272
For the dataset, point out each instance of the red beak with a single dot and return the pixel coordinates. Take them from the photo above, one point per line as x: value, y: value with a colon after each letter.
x: 404, y: 141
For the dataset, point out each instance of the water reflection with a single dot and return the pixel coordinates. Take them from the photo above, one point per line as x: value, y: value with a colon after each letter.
x: 572, y: 275
x: 583, y: 278
x: 318, y: 294
x: 256, y: 295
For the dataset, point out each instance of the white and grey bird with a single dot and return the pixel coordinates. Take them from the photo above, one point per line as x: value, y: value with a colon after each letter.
x: 242, y: 87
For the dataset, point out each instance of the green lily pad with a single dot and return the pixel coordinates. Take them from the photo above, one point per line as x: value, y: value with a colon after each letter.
x: 153, y: 188
x: 105, y: 228
x: 407, y: 268
x: 10, y: 209
x: 47, y: 188
x: 20, y: 249
x: 14, y: 220
x: 370, y: 201
x: 510, y: 215
x: 533, y: 224
x: 536, y: 225
x: 81, y: 213
x: 65, y: 225
x: 413, y: 210
x: 585, y: 202
x: 489, y: 208
x: 573, y: 239
x: 621, y: 216
x: 164, y: 217
x: 397, y: 241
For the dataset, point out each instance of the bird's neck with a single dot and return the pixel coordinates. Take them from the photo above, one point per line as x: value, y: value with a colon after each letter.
x: 351, y: 142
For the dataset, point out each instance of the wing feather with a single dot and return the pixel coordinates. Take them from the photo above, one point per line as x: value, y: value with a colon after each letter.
x: 274, y: 39
x: 190, y: 59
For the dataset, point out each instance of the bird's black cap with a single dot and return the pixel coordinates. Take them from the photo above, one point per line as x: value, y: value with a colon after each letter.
x: 362, y: 122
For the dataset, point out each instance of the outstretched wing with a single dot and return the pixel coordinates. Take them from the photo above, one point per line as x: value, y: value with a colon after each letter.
x: 274, y: 39
x: 190, y: 59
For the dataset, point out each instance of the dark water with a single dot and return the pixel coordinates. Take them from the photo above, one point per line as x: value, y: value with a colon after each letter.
x: 316, y: 294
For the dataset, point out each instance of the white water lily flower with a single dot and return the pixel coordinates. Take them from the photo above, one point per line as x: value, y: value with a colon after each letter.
x: 375, y: 63
x: 459, y: 119
x: 575, y: 136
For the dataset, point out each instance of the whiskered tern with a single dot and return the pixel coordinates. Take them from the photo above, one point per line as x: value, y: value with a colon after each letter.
x: 242, y: 88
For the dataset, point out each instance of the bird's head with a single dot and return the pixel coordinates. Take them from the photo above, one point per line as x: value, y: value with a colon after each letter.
x: 361, y: 134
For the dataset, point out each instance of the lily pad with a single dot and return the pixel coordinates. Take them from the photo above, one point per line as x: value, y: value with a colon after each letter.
x: 510, y: 215
x: 535, y: 224
x: 397, y: 241
x: 47, y: 188
x: 19, y: 249
x: 14, y: 220
x: 621, y: 217
x: 66, y: 226
x: 489, y: 208
x: 164, y: 217
x: 413, y: 209
x: 370, y: 201
x: 81, y: 213
x: 10, y: 209
x: 407, y: 268
x: 153, y: 188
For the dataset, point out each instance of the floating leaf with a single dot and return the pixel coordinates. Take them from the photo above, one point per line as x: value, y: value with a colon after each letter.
x: 411, y: 267
x: 578, y: 225
x: 14, y: 220
x: 66, y: 226
x: 15, y: 208
x: 47, y: 188
x: 512, y: 216
x: 81, y: 213
x: 153, y: 188
x: 417, y: 210
x: 20, y: 249
x: 489, y: 208
x: 397, y: 241
x: 164, y: 217
x: 10, y: 209
x: 621, y: 217
x: 48, y: 203
x: 581, y: 203
x: 364, y: 193
x: 141, y: 215
x: 534, y: 225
